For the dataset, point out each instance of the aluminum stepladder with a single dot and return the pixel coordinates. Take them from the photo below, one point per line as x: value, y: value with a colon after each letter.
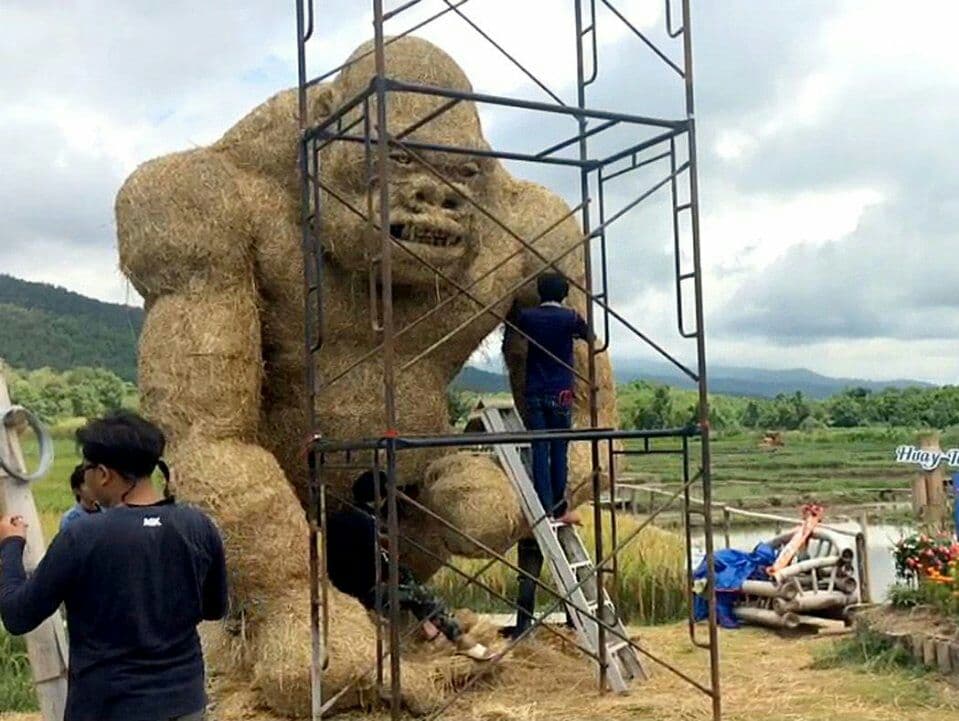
x: 563, y: 548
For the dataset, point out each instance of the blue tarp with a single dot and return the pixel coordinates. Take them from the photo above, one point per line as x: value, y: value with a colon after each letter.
x: 732, y: 568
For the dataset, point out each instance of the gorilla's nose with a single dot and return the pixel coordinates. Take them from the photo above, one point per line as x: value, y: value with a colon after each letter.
x: 426, y: 194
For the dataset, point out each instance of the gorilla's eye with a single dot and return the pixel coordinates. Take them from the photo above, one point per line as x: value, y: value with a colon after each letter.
x: 469, y: 170
x: 400, y: 158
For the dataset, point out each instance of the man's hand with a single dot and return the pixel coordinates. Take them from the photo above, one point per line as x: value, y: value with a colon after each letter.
x: 12, y: 527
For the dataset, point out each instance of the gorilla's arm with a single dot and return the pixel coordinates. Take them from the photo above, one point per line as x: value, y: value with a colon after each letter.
x: 186, y: 243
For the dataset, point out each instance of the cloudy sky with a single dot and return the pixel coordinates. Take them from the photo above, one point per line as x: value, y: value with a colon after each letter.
x: 827, y: 129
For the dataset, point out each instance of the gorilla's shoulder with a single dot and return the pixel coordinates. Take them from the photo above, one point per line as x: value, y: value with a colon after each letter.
x: 529, y: 198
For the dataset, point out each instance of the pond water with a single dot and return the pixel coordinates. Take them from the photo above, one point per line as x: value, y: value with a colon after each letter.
x: 880, y: 537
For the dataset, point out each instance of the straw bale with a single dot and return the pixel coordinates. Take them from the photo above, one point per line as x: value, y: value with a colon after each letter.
x: 466, y: 488
x: 243, y: 488
x: 204, y: 376
x: 211, y: 238
x: 178, y: 225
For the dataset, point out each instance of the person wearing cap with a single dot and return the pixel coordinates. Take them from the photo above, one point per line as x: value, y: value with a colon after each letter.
x: 136, y: 582
x: 85, y: 503
x: 352, y: 547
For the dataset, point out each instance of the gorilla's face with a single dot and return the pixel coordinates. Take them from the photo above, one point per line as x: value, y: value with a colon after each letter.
x: 432, y: 196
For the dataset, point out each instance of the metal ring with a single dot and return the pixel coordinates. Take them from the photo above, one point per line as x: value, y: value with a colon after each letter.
x: 15, y: 416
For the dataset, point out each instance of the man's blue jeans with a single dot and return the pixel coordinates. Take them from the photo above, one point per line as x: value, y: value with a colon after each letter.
x: 550, y: 463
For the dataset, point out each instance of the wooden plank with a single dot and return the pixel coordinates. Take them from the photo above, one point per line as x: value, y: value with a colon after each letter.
x: 47, y: 645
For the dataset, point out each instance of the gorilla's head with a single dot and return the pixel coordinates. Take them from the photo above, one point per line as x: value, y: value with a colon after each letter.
x: 430, y: 213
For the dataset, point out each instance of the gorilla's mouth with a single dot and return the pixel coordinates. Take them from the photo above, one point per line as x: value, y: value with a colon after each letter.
x: 410, y: 233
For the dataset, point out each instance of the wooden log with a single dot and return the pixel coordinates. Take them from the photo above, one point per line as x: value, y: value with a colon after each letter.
x: 943, y: 657
x: 47, y: 645
x: 929, y: 486
x: 765, y: 617
x: 918, y: 640
x: 954, y: 656
x: 929, y: 652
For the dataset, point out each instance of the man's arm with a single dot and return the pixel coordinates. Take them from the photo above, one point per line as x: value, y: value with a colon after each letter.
x: 513, y: 318
x: 26, y: 602
x: 581, y: 329
x: 215, y: 599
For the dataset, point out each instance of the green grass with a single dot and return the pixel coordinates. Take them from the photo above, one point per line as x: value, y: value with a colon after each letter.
x: 16, y: 686
x: 867, y: 651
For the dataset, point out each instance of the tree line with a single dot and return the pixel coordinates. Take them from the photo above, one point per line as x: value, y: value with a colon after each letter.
x: 648, y: 405
x: 81, y: 392
x: 86, y: 392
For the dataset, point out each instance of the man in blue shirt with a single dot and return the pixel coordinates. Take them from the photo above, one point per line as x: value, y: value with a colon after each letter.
x: 85, y: 503
x: 135, y: 581
x: 552, y: 327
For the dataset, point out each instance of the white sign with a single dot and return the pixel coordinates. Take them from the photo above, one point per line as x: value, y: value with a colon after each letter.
x: 928, y: 458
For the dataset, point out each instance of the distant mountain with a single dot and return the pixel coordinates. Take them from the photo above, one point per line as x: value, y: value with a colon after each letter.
x: 43, y: 325
x: 726, y: 380
x: 480, y: 381
x: 755, y: 382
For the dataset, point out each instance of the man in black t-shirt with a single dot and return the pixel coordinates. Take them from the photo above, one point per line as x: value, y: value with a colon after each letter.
x: 135, y: 581
x: 352, y: 546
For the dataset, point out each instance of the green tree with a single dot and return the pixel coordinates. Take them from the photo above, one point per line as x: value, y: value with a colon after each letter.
x: 845, y: 412
x: 459, y: 403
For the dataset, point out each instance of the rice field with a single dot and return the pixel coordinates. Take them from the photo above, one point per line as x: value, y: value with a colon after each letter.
x: 650, y: 578
x: 837, y: 466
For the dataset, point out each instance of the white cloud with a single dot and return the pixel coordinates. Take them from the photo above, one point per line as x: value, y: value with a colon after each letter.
x: 815, y: 117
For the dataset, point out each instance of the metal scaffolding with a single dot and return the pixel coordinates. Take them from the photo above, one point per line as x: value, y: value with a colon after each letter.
x: 657, y: 142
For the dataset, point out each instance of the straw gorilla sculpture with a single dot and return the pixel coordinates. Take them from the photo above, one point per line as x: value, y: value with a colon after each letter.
x: 211, y: 239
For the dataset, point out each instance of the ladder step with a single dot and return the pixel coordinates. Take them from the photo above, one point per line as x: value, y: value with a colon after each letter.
x: 615, y: 648
x: 580, y: 564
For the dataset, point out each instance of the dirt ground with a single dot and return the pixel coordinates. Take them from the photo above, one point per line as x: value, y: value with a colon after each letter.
x: 764, y: 677
x: 921, y: 619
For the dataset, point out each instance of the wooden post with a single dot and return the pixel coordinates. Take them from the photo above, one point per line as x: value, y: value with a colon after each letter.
x: 929, y: 495
x: 862, y: 559
x: 47, y: 645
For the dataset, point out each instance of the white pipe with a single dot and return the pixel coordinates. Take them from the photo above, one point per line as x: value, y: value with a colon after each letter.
x: 796, y: 568
x: 817, y: 601
x: 765, y: 617
x: 766, y: 589
x: 825, y: 624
